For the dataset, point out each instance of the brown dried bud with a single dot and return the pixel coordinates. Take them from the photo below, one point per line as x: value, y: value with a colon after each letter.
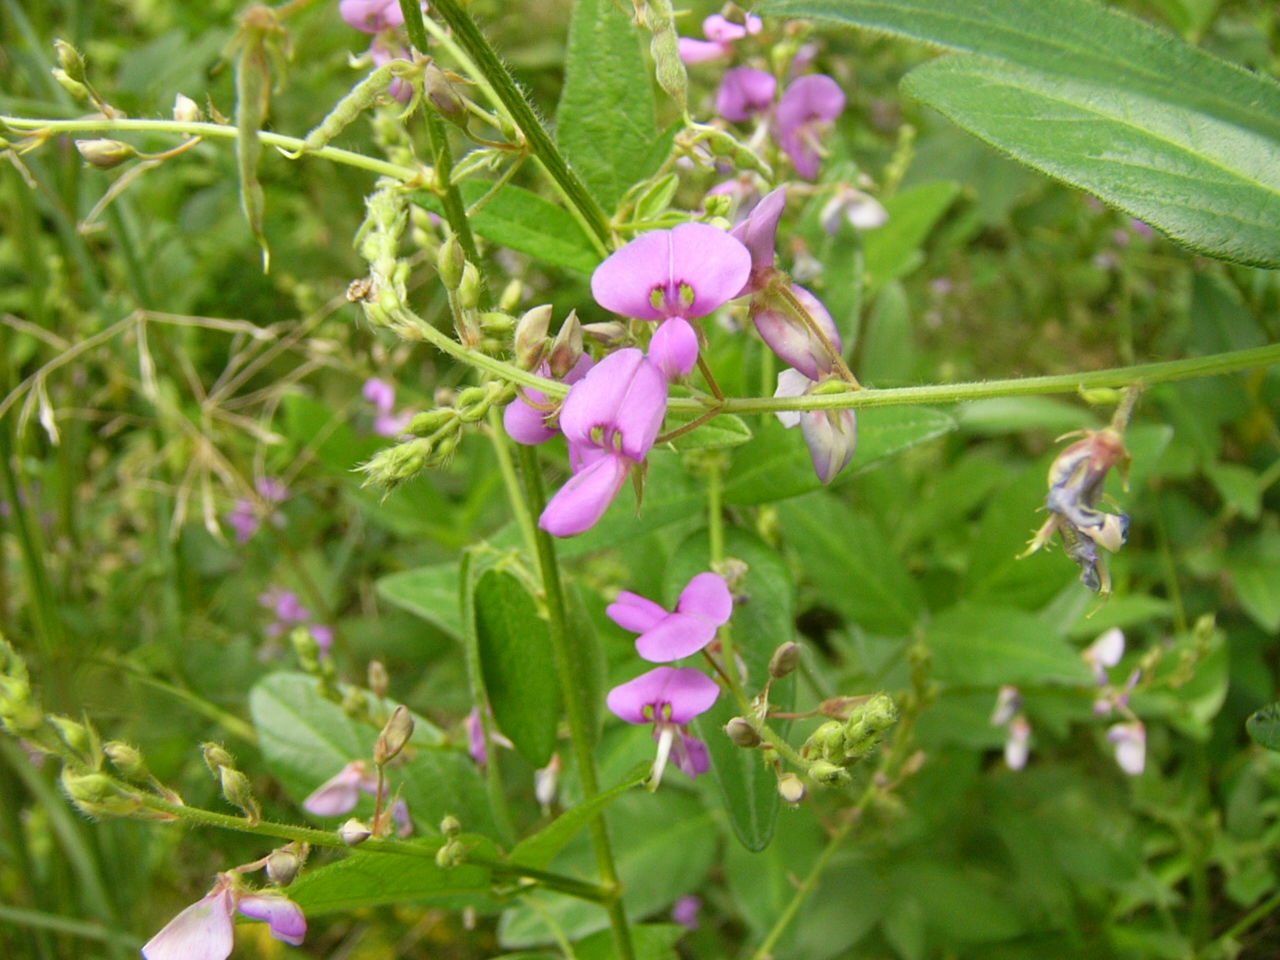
x: 378, y: 679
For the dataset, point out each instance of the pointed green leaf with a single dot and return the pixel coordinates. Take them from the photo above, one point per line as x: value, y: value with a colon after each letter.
x: 605, y: 123
x: 518, y: 665
x: 430, y: 592
x: 725, y: 430
x: 541, y: 848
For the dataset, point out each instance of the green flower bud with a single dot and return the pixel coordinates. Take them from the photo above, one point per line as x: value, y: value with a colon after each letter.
x: 428, y: 422
x: 239, y: 793
x: 473, y: 404
x: 828, y: 774
x: 450, y: 855
x: 394, y: 735
x: 470, y: 287
x: 512, y: 294
x: 284, y: 864
x: 450, y: 262
x: 826, y: 742
x: 97, y: 794
x: 216, y: 757
x: 75, y: 735
x: 494, y: 321
x: 105, y: 154
x: 450, y: 826
x: 127, y: 759
x: 70, y: 60
x: 74, y: 87
x: 185, y: 110
x: 742, y: 733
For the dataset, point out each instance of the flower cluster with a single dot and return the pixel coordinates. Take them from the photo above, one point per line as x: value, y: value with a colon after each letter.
x: 289, y: 613
x: 670, y: 697
x: 206, y: 931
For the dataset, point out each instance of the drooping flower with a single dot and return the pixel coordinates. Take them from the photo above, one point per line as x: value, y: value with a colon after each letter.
x: 1008, y: 713
x: 721, y: 35
x: 1104, y: 652
x: 528, y: 418
x: 830, y: 435
x: 611, y: 419
x: 341, y: 792
x: 807, y: 108
x: 745, y: 93
x: 477, y: 747
x: 1130, y: 741
x: 669, y: 698
x: 205, y: 930
x: 704, y: 606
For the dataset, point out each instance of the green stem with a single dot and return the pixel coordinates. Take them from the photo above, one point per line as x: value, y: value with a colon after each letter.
x: 1260, y: 912
x: 575, y: 710
x: 511, y: 480
x: 495, y: 72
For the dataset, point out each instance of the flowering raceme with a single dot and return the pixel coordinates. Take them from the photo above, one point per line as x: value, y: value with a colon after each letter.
x: 205, y: 930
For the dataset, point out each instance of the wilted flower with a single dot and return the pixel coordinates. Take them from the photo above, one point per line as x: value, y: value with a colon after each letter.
x: 1130, y: 741
x: 669, y: 698
x: 807, y: 108
x: 205, y: 930
x: 341, y: 792
x: 704, y: 606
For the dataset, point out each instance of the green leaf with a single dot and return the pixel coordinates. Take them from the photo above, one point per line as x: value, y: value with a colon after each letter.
x: 518, y: 665
x: 605, y: 122
x: 1254, y: 566
x: 765, y: 619
x: 893, y: 250
x: 650, y: 941
x: 430, y: 592
x: 1165, y: 131
x: 1264, y: 726
x: 542, y: 847
x: 853, y: 563
x: 988, y: 645
x: 517, y: 218
x: 775, y: 464
x: 370, y: 880
x: 306, y: 739
x: 725, y: 430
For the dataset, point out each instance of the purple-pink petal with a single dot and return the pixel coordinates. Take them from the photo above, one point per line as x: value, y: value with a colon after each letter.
x: 203, y: 931
x: 371, y: 16
x: 700, y: 51
x: 815, y: 97
x: 759, y: 234
x: 712, y: 262
x: 691, y: 755
x: 340, y: 793
x: 677, y: 635
x: 674, y: 348
x: 380, y: 393
x: 580, y: 503
x: 832, y: 437
x: 707, y: 595
x: 283, y: 916
x: 525, y: 423
x: 745, y: 93
x: 790, y: 338
x: 618, y: 406
x: 673, y: 694
x: 635, y: 613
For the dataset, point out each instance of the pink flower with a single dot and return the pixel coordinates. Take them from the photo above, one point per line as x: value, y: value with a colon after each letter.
x: 246, y: 517
x: 704, y: 606
x: 383, y: 397
x: 205, y: 931
x: 1130, y: 741
x: 745, y: 93
x: 371, y: 16
x: 528, y: 417
x: 382, y: 51
x: 669, y: 698
x: 685, y: 912
x: 721, y: 35
x: 341, y: 792
x: 611, y: 419
x: 830, y: 435
x: 807, y: 108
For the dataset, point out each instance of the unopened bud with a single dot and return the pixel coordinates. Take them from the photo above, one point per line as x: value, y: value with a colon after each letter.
x: 429, y: 421
x: 127, y: 759
x: 717, y: 204
x: 785, y: 659
x: 96, y: 794
x: 566, y: 349
x: 354, y: 832
x: 512, y: 294
x: 74, y: 87
x: 827, y: 773
x: 306, y: 647
x: 450, y: 855
x: 827, y: 741
x: 69, y: 60
x: 531, y: 336
x: 610, y: 333
x: 185, y: 110
x: 742, y: 733
x: 450, y: 826
x: 471, y: 287
x: 283, y: 866
x: 379, y: 682
x: 105, y: 154
x: 495, y: 321
x: 791, y: 788
x: 442, y: 94
x: 394, y: 735
x: 216, y: 756
x: 449, y: 263
x: 75, y: 735
x: 239, y: 793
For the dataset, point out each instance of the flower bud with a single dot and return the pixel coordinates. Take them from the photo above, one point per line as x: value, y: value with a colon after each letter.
x: 611, y: 333
x: 105, y: 154
x: 450, y: 826
x: 450, y: 262
x: 512, y: 294
x: 127, y: 759
x: 239, y: 793
x: 742, y: 733
x: 827, y: 773
x: 717, y: 204
x: 791, y: 788
x: 495, y: 321
x: 216, y: 757
x: 566, y: 349
x: 354, y: 832
x: 450, y: 855
x: 827, y: 741
x: 785, y: 659
x: 394, y: 735
x: 428, y: 422
x: 470, y: 287
x: 378, y: 679
x: 74, y: 87
x: 185, y: 110
x: 70, y: 60
x: 96, y: 794
x: 442, y: 94
x: 531, y: 336
x: 283, y: 865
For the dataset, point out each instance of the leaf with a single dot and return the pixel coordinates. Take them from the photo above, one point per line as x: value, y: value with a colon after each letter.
x: 517, y: 218
x: 852, y: 562
x: 764, y: 619
x: 1264, y: 726
x: 650, y: 941
x: 988, y: 645
x: 605, y: 122
x: 775, y: 464
x: 370, y: 880
x: 541, y: 848
x: 306, y: 739
x: 518, y: 665
x: 430, y: 592
x: 893, y: 250
x: 725, y: 430
x: 1165, y: 131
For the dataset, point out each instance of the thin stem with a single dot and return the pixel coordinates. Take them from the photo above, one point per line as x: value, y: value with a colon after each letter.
x: 477, y: 47
x: 575, y: 710
x: 1260, y: 912
x: 511, y: 480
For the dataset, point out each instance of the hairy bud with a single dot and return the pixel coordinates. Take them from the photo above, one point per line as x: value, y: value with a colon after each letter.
x: 531, y: 336
x: 127, y: 759
x: 785, y: 659
x: 450, y: 262
x: 105, y: 154
x: 216, y: 757
x: 239, y: 793
x: 394, y: 735
x: 742, y: 733
x: 566, y: 349
x: 284, y: 863
x: 70, y: 60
